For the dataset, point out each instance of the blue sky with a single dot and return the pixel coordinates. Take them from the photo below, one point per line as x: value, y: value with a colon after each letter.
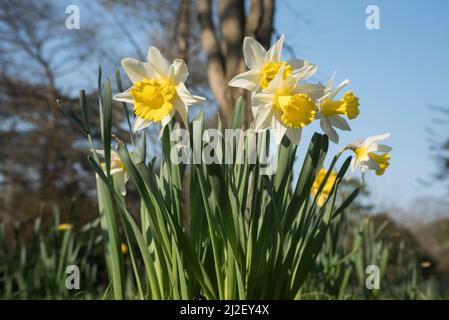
x: 397, y: 71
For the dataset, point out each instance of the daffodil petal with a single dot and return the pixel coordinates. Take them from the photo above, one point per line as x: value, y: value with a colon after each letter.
x: 328, y: 130
x: 330, y: 82
x: 294, y: 135
x: 140, y: 123
x: 158, y: 62
x: 278, y: 130
x: 263, y: 118
x: 181, y: 108
x: 186, y: 96
x: 372, y: 164
x: 314, y: 91
x: 264, y: 97
x: 304, y: 72
x: 178, y: 71
x: 339, y: 122
x: 353, y: 165
x: 374, y: 139
x: 116, y: 170
x: 248, y: 80
x: 383, y: 148
x: 337, y: 90
x: 124, y: 96
x: 253, y: 53
x: 136, y: 70
x: 274, y: 54
x: 165, y: 120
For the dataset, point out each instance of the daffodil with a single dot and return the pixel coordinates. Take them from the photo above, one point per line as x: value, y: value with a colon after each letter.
x: 264, y: 66
x: 331, y: 110
x: 327, y: 187
x: 158, y: 90
x: 118, y: 171
x: 370, y: 155
x: 286, y: 105
x: 124, y: 248
x: 64, y: 226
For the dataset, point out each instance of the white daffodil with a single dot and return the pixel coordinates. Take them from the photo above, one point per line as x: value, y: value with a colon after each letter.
x: 370, y: 155
x: 158, y: 90
x: 118, y: 171
x: 264, y: 66
x: 331, y: 110
x: 286, y: 105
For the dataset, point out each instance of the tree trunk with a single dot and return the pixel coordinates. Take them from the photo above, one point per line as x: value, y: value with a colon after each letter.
x: 223, y: 45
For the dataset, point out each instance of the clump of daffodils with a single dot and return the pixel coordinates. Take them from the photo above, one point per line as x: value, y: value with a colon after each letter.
x: 282, y: 99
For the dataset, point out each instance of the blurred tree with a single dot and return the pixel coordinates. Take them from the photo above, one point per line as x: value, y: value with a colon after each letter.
x: 41, y: 159
x: 222, y: 35
x: 438, y: 134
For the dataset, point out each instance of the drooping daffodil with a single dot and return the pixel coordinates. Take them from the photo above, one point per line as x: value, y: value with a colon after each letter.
x: 370, y: 155
x: 158, y: 90
x: 118, y: 172
x: 331, y: 110
x: 286, y: 106
x: 64, y: 226
x: 327, y: 188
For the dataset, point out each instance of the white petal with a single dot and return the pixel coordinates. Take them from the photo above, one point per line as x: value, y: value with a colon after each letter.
x: 383, y: 148
x: 274, y: 54
x: 116, y: 170
x: 353, y: 164
x: 165, y: 120
x: 158, y: 62
x: 278, y: 130
x: 140, y: 123
x: 253, y: 53
x: 248, y: 80
x: 330, y: 82
x: 315, y: 91
x: 178, y: 71
x: 372, y: 164
x: 263, y: 118
x: 328, y: 130
x: 264, y: 98
x: 375, y: 139
x: 186, y: 96
x: 136, y: 70
x: 334, y: 92
x: 294, y: 135
x: 181, y: 108
x: 305, y: 72
x: 99, y: 151
x: 124, y: 96
x: 255, y: 104
x: 339, y: 123
x: 297, y: 64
